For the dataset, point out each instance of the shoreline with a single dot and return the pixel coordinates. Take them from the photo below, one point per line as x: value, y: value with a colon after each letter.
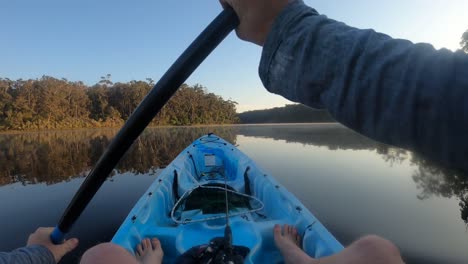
x: 11, y: 132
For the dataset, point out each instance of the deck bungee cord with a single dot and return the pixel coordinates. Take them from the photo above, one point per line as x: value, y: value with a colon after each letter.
x: 226, y: 190
x: 227, y: 229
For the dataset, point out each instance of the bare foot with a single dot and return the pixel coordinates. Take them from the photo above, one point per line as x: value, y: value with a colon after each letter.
x: 288, y: 242
x: 149, y: 251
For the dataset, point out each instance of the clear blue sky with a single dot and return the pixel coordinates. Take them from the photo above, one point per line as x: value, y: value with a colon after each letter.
x: 86, y: 39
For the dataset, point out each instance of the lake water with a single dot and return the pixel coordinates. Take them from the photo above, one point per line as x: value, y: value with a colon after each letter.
x: 353, y: 185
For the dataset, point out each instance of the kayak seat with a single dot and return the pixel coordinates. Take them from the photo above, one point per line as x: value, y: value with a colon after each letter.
x: 244, y: 234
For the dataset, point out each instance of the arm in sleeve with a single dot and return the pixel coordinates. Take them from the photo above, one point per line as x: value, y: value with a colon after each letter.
x: 28, y: 255
x: 391, y: 90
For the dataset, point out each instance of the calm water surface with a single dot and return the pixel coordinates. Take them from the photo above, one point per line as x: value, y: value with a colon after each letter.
x: 353, y: 185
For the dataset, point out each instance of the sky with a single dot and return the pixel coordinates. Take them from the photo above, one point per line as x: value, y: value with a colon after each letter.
x: 82, y: 40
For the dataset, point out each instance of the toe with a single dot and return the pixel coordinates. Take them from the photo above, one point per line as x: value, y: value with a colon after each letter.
x: 277, y: 231
x: 298, y: 240
x: 293, y: 234
x: 287, y: 230
x: 140, y: 249
x: 143, y: 245
x: 156, y: 244
x: 148, y: 244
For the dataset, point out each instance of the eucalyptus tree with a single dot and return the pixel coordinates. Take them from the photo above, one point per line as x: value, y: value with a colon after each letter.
x: 464, y: 42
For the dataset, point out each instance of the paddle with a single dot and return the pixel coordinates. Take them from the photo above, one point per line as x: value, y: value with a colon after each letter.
x: 185, y: 65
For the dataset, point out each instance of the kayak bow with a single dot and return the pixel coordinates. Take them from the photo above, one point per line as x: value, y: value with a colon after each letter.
x: 185, y: 208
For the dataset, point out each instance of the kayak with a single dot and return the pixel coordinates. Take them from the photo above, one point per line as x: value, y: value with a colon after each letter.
x: 212, y: 197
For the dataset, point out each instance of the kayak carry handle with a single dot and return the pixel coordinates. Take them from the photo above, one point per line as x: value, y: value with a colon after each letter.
x: 177, y: 74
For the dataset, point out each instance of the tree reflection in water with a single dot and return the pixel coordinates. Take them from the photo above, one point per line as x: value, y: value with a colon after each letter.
x: 55, y: 156
x: 435, y: 180
x: 431, y: 179
x: 51, y: 157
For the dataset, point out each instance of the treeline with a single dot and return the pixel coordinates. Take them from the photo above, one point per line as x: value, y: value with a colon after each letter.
x: 464, y: 42
x: 295, y: 113
x: 51, y: 103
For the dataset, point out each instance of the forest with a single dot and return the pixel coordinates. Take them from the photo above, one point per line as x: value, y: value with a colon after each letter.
x: 464, y: 42
x: 51, y: 103
x: 294, y: 113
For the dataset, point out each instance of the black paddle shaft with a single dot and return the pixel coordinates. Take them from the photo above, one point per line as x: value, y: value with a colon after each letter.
x: 185, y: 65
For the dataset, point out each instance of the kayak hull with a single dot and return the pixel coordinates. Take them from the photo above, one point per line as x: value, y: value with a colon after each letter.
x: 154, y: 214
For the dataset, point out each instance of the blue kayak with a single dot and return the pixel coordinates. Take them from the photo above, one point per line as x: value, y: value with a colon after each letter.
x: 187, y: 205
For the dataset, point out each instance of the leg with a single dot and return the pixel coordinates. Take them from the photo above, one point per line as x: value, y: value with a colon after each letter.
x: 367, y: 250
x: 147, y: 252
x: 370, y: 249
x: 107, y: 253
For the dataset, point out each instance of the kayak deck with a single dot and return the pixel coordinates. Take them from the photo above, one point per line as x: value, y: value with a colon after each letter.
x: 182, y: 209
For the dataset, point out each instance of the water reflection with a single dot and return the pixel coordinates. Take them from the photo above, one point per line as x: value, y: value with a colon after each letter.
x: 371, y: 199
x: 431, y: 178
x: 435, y: 180
x: 332, y: 136
x: 51, y: 157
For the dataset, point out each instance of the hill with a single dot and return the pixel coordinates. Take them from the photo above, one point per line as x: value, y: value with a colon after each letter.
x: 295, y: 113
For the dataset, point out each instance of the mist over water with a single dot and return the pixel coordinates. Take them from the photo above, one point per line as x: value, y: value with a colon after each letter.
x: 353, y: 185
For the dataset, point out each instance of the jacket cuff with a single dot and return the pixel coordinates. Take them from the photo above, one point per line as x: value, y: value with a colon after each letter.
x: 42, y: 253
